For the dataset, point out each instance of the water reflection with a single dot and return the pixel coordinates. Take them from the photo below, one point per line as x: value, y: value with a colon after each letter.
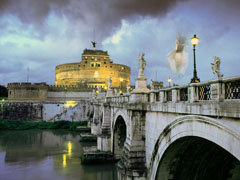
x: 43, y: 155
x: 69, y: 149
x: 64, y: 156
x: 64, y: 160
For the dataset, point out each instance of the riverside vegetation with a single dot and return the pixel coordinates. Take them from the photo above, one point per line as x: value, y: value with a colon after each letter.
x: 25, y: 125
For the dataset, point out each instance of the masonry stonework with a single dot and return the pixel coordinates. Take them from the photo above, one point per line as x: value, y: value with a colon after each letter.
x: 94, y: 70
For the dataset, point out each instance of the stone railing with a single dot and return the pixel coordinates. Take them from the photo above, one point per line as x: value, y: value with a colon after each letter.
x: 118, y: 99
x: 232, y: 88
x: 216, y: 90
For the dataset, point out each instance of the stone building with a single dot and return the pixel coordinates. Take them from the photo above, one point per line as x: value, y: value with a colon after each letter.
x: 43, y: 92
x: 94, y: 70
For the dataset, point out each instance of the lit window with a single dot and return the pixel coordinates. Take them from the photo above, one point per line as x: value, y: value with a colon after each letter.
x: 123, y: 68
x: 92, y: 57
x: 85, y: 57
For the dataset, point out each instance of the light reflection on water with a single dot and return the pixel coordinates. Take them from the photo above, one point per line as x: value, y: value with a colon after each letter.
x: 43, y: 155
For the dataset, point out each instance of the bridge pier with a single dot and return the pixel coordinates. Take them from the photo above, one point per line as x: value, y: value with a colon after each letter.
x: 132, y: 164
x: 95, y: 124
x: 104, y: 138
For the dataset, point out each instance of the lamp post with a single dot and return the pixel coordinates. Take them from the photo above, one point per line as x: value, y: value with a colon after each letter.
x: 194, y: 42
x: 169, y: 81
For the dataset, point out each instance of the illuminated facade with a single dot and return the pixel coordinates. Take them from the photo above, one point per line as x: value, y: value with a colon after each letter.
x: 94, y: 70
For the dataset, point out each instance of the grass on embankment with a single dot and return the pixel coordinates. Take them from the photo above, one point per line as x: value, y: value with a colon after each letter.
x: 24, y: 125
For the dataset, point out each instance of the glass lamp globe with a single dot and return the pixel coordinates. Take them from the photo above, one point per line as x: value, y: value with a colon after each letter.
x: 194, y: 40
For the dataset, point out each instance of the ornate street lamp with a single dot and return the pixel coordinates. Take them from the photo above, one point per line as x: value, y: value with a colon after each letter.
x: 194, y: 42
x: 169, y: 81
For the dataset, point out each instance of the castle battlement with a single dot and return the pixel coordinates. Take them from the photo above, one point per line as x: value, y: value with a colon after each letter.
x: 94, y: 52
x: 70, y: 88
x: 27, y: 84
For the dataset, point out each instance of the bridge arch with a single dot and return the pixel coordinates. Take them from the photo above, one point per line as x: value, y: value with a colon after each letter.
x: 119, y: 131
x: 119, y: 136
x: 194, y: 137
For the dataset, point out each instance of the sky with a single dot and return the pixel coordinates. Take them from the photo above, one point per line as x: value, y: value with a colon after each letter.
x: 41, y: 34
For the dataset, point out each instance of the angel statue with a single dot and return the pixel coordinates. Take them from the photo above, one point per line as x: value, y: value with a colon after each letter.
x: 216, y: 67
x: 142, y: 65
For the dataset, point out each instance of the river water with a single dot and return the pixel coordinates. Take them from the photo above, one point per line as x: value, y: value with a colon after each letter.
x: 47, y: 155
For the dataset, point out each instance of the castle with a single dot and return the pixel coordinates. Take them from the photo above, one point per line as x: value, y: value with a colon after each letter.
x: 76, y: 81
x: 93, y: 71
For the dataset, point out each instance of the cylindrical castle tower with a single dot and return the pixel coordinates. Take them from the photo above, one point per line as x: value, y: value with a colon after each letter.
x: 94, y: 70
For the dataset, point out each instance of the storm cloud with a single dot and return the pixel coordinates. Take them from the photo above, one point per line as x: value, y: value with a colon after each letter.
x: 105, y: 16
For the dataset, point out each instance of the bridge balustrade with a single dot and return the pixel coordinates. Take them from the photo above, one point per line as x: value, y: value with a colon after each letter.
x: 232, y: 89
x: 215, y: 90
x: 204, y: 92
x: 118, y: 99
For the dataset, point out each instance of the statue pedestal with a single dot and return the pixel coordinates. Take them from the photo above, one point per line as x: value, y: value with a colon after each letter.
x: 140, y: 93
x: 109, y: 93
x: 141, y: 86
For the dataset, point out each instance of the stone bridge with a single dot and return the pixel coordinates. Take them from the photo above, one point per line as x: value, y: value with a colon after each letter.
x: 181, y: 132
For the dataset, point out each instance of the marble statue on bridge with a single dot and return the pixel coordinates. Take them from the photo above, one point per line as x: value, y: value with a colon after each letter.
x: 141, y: 81
x: 109, y: 83
x: 142, y: 65
x: 109, y: 90
x: 216, y: 67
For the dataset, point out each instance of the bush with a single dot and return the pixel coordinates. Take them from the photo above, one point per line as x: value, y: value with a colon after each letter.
x: 23, y: 125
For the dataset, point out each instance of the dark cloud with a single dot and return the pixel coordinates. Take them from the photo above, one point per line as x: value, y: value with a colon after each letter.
x: 31, y: 11
x: 103, y: 16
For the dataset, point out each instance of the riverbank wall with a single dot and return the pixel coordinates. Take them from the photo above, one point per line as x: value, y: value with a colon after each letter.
x: 45, y: 111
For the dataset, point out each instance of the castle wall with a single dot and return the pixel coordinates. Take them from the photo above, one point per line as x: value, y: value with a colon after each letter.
x: 72, y: 74
x: 94, y: 70
x: 44, y: 92
x: 27, y: 91
x: 62, y: 96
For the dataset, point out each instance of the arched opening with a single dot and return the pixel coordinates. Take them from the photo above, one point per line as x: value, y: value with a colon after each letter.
x: 195, y: 158
x: 119, y: 136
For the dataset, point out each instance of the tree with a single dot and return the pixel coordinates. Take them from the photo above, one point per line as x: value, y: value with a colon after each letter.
x: 3, y: 91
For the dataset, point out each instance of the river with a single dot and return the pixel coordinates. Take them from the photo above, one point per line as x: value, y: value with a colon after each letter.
x: 47, y: 155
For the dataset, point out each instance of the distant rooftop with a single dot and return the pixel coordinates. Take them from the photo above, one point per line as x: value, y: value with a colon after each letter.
x: 94, y: 52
